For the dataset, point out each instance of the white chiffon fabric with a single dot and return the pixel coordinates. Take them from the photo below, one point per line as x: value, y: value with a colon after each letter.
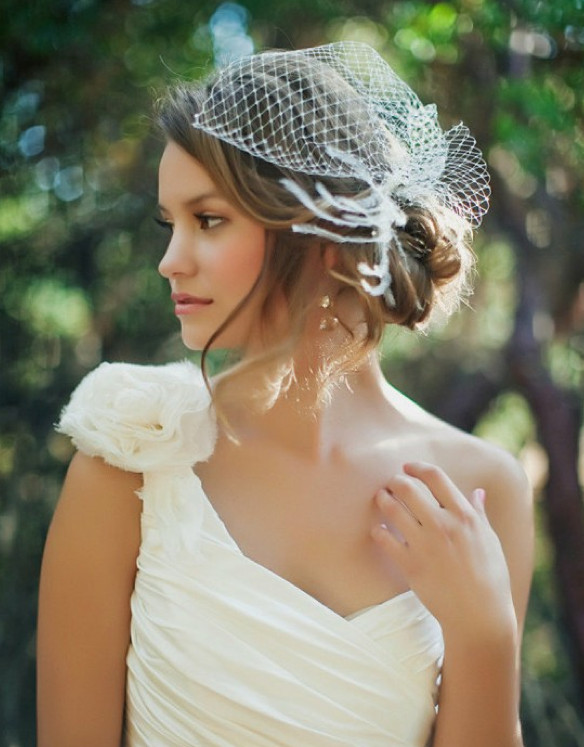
x: 224, y: 652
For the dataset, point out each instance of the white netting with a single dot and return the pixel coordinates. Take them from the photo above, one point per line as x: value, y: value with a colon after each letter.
x: 340, y: 111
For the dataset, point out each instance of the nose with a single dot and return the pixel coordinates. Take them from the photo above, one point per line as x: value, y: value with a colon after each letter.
x: 179, y: 257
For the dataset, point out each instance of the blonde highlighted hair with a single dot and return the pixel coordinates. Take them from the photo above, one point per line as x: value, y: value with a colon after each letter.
x: 430, y: 268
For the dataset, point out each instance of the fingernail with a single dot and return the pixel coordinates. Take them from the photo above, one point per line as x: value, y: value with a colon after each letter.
x: 480, y: 495
x: 378, y: 531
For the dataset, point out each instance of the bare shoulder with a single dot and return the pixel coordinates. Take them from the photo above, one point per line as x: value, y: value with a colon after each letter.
x: 474, y: 463
x: 98, y: 498
x: 470, y: 461
x: 95, y: 532
x: 87, y: 579
x: 91, y: 478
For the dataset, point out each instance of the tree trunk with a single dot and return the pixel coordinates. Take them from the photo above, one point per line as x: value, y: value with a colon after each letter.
x: 558, y: 417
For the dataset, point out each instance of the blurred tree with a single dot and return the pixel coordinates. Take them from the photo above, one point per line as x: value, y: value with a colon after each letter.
x: 78, y: 253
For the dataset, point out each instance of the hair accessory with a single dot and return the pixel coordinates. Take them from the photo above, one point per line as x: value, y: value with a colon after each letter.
x: 339, y: 112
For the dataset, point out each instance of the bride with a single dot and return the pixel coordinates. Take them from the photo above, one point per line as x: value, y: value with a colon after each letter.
x: 291, y: 552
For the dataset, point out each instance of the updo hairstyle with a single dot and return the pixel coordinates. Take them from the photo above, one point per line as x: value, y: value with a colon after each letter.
x: 429, y: 269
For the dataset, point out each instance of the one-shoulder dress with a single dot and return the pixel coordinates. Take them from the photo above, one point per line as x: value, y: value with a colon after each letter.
x: 224, y: 652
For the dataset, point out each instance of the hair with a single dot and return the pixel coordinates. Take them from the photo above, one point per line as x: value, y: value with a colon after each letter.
x: 429, y: 265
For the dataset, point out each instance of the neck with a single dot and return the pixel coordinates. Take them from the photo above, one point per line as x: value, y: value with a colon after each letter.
x: 313, y: 430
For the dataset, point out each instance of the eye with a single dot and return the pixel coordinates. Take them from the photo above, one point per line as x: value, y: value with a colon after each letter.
x: 167, y: 225
x: 207, y: 222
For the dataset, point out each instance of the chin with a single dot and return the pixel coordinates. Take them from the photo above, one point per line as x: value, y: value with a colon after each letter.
x: 194, y: 346
x: 193, y: 340
x: 236, y: 336
x: 224, y: 342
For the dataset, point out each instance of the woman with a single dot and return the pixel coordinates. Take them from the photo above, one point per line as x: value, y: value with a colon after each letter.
x: 319, y: 561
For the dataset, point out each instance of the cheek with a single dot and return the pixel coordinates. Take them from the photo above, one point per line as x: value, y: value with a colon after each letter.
x: 241, y: 268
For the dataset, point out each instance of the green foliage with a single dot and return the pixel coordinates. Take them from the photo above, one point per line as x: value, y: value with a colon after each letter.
x: 78, y: 248
x: 508, y: 423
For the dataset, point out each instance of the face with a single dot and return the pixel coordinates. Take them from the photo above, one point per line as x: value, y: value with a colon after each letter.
x: 214, y: 255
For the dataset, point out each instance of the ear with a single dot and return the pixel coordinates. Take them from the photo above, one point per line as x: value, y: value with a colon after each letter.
x: 330, y: 256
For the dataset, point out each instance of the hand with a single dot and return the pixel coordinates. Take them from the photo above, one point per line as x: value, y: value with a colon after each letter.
x: 447, y: 550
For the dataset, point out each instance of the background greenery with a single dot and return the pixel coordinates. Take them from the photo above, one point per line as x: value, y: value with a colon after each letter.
x: 78, y: 254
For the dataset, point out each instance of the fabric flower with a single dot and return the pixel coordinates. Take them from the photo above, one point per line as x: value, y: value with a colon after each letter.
x: 142, y: 418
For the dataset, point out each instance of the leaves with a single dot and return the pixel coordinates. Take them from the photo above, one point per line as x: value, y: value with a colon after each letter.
x: 78, y: 254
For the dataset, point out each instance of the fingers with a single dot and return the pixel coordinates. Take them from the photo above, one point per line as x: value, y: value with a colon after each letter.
x: 439, y: 485
x: 400, y: 518
x: 392, y: 542
x: 409, y: 497
x: 417, y: 496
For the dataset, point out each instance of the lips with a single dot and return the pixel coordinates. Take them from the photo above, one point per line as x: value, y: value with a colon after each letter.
x: 187, y: 304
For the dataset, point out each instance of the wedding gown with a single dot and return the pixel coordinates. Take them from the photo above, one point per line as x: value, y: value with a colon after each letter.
x: 224, y: 652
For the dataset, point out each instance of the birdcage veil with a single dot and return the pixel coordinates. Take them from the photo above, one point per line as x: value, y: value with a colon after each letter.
x: 340, y: 111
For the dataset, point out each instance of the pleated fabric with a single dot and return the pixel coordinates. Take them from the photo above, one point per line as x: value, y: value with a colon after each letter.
x: 224, y: 652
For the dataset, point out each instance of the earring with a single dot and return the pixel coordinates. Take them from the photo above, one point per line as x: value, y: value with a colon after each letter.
x: 329, y: 320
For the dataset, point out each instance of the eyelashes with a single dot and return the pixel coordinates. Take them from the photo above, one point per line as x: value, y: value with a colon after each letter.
x: 206, y: 222
x: 163, y: 224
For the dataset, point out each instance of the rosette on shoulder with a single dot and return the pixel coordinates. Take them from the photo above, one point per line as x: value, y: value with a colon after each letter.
x: 142, y: 418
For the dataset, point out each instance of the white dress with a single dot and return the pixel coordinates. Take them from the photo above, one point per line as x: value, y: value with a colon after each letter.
x: 224, y: 652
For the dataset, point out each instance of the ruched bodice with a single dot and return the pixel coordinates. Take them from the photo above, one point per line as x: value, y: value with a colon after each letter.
x: 224, y: 652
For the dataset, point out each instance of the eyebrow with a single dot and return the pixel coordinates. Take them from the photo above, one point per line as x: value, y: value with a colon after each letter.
x: 196, y: 200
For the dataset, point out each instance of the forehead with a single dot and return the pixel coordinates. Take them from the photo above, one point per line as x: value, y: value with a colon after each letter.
x: 181, y: 175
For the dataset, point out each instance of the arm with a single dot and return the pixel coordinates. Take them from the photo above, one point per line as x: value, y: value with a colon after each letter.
x: 476, y: 586
x: 87, y: 579
x: 481, y: 686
